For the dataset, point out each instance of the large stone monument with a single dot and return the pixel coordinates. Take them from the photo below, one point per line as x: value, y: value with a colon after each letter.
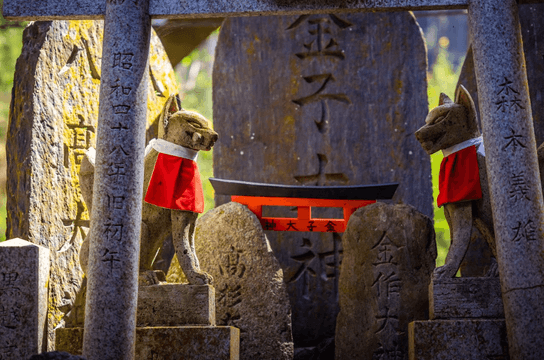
x: 24, y: 274
x: 250, y: 292
x: 321, y: 100
x: 390, y: 254
x: 53, y: 120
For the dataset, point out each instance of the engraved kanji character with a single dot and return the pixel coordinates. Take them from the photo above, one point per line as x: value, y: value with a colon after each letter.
x: 514, y: 140
x: 233, y: 266
x: 387, y: 250
x: 123, y: 60
x: 121, y: 109
x: 119, y: 89
x: 518, y: 187
x: 311, y: 225
x: 112, y: 257
x: 506, y: 87
x: 116, y: 170
x: 524, y: 231
x: 320, y: 29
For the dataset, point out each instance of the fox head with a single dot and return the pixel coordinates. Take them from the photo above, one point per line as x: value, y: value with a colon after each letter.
x: 185, y: 128
x: 450, y: 123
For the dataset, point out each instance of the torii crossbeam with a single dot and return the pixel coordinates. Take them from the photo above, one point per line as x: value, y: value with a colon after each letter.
x: 498, y: 54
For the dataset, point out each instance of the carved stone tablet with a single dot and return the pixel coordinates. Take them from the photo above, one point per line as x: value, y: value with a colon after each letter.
x: 52, y: 122
x: 321, y: 100
x: 249, y: 288
x: 24, y: 272
x: 389, y: 256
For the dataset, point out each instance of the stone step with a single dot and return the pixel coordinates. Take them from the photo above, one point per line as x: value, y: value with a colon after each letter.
x: 175, y: 342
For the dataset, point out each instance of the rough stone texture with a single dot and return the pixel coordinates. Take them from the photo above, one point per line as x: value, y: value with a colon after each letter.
x: 53, y: 120
x: 176, y: 304
x: 458, y: 339
x: 532, y: 31
x: 466, y: 298
x: 165, y: 343
x: 56, y: 355
x: 511, y: 159
x: 389, y: 256
x: 248, y: 280
x: 24, y: 273
x: 90, y: 9
x: 303, y: 113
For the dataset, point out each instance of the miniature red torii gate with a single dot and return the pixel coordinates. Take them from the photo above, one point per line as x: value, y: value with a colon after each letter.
x: 257, y: 195
x: 496, y: 41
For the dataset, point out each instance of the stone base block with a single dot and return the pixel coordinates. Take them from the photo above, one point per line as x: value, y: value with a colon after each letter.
x: 164, y: 343
x: 457, y: 298
x: 457, y: 339
x: 176, y: 305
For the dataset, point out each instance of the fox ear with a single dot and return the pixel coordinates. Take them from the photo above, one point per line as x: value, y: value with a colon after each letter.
x: 462, y: 97
x: 444, y: 99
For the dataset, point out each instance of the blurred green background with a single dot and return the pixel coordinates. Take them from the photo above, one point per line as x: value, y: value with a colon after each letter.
x: 195, y: 75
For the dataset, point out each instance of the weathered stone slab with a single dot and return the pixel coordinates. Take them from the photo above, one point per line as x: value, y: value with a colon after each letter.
x: 164, y: 343
x: 389, y: 257
x: 175, y: 305
x: 248, y: 280
x: 466, y: 298
x: 24, y: 273
x: 321, y: 100
x: 458, y: 339
x: 53, y: 120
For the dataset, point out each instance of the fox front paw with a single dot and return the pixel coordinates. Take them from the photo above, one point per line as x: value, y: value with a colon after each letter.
x: 444, y: 272
x: 199, y: 277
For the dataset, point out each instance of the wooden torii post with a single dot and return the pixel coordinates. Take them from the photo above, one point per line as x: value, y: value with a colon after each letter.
x: 507, y: 130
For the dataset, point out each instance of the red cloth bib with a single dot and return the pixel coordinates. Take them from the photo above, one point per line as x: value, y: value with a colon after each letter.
x: 175, y: 184
x: 459, y: 178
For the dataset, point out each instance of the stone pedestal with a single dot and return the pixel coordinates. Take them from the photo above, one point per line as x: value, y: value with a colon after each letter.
x: 459, y: 298
x: 468, y: 339
x: 174, y: 321
x: 169, y: 342
x: 24, y: 274
x: 175, y: 305
x: 467, y: 322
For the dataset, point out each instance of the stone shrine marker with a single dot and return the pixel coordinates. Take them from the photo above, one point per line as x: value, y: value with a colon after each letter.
x: 249, y: 290
x: 321, y: 100
x: 500, y: 69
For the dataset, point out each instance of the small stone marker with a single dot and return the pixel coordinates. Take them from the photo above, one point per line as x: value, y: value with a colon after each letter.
x: 24, y: 273
x: 389, y: 257
x: 52, y: 123
x: 321, y: 100
x: 248, y: 280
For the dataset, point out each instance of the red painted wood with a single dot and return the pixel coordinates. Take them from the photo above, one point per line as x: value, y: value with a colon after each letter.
x: 304, y: 220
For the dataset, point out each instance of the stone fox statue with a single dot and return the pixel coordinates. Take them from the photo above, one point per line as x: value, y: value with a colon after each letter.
x: 453, y: 128
x: 172, y: 191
